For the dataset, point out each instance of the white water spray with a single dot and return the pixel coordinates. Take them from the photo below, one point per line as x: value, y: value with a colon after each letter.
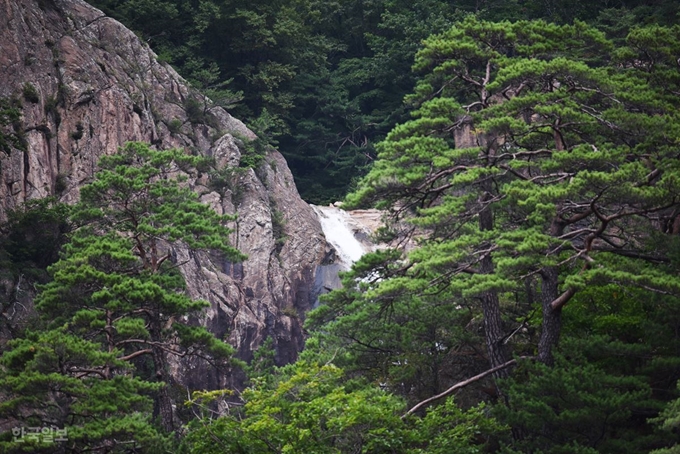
x: 338, y: 228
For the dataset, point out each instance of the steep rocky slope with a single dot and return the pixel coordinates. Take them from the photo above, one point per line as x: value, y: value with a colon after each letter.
x: 87, y: 85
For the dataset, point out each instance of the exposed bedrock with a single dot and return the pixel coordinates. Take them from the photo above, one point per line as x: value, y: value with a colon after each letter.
x: 86, y: 86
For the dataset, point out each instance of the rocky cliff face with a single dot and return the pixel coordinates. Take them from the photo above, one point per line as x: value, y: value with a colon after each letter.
x: 86, y: 85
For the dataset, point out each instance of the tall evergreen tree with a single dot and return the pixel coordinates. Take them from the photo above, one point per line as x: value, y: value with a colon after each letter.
x: 117, y: 289
x: 79, y: 397
x: 533, y: 163
x: 415, y: 342
x: 615, y: 368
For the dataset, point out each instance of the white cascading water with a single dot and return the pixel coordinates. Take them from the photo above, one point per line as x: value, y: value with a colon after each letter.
x: 336, y: 226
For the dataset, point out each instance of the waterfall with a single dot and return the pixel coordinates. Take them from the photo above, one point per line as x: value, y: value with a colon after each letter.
x: 339, y: 229
x: 349, y: 235
x: 348, y: 241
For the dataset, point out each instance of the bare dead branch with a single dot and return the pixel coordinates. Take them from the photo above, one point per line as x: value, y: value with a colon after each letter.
x: 460, y: 385
x: 563, y: 299
x: 136, y: 354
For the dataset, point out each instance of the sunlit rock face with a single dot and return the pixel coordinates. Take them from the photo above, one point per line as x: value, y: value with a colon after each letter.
x: 98, y: 86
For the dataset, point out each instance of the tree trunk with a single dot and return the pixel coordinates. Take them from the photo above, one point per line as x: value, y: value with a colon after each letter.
x: 493, y: 330
x: 552, y: 318
x: 163, y: 404
x: 493, y: 323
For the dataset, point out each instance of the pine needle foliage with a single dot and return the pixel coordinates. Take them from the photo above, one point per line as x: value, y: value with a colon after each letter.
x: 116, y: 297
x: 539, y: 170
x: 534, y: 156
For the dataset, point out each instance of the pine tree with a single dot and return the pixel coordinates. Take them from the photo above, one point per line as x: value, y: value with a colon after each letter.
x: 117, y: 289
x: 409, y: 339
x: 615, y: 368
x: 56, y: 380
x: 535, y: 162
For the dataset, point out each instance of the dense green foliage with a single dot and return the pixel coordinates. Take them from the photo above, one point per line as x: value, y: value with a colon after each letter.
x: 540, y: 171
x: 534, y: 167
x: 116, y: 298
x: 313, y: 408
x: 409, y: 340
x: 55, y: 379
x: 327, y: 77
x: 556, y: 167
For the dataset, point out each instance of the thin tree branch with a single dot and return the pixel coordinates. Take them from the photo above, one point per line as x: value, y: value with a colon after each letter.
x: 633, y: 254
x: 459, y: 385
x: 135, y: 354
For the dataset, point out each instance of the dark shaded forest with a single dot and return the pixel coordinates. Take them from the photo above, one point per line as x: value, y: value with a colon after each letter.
x: 325, y: 81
